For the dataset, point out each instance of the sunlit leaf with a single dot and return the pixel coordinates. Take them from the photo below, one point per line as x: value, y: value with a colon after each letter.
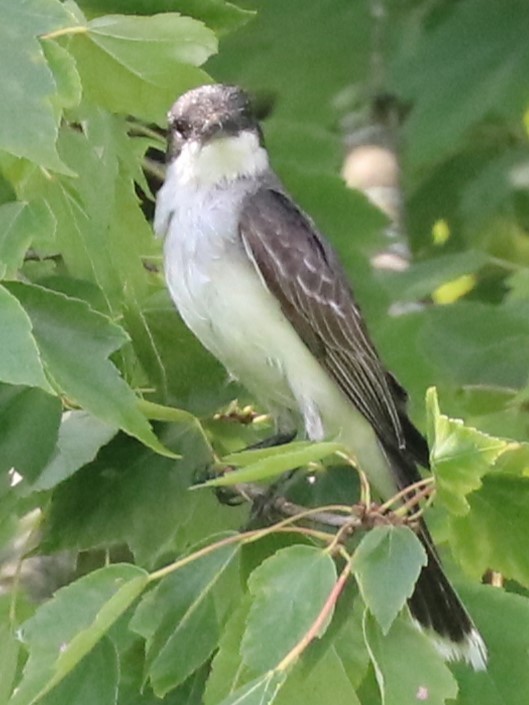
x: 270, y: 462
x: 459, y: 456
x: 146, y: 61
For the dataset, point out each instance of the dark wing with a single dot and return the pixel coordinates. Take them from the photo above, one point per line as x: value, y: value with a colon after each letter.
x: 303, y: 273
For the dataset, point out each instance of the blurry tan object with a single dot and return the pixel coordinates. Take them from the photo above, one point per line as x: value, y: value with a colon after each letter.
x: 374, y: 170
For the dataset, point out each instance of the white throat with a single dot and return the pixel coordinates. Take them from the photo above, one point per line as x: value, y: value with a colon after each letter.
x: 222, y: 159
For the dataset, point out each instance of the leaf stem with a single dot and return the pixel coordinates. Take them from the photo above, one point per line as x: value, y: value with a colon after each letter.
x: 247, y: 537
x: 64, y: 31
x: 172, y: 567
x: 421, y: 484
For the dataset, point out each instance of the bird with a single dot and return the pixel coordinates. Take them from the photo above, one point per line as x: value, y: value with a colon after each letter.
x: 265, y: 293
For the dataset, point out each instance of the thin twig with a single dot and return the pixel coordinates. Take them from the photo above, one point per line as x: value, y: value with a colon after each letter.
x: 318, y: 623
x: 321, y: 515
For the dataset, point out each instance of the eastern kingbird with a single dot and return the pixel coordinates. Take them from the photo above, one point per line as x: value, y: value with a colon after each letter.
x: 262, y: 289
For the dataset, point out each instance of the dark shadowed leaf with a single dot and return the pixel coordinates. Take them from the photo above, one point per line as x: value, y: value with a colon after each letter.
x: 496, y: 61
x: 178, y: 620
x: 476, y: 343
x: 336, y: 32
x: 131, y: 495
x: 29, y: 419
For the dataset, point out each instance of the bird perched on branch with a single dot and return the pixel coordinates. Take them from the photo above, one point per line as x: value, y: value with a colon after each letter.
x: 263, y: 290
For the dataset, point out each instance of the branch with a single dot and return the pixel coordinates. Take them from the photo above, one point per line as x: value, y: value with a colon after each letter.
x: 345, y: 518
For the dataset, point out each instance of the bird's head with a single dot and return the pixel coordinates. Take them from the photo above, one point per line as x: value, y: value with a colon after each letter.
x: 214, y: 135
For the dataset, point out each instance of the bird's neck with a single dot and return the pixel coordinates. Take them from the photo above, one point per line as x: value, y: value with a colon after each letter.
x: 220, y: 161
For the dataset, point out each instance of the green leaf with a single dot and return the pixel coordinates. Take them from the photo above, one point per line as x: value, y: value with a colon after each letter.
x: 131, y: 495
x: 289, y: 590
x: 503, y: 620
x: 28, y: 120
x: 66, y: 628
x: 496, y: 61
x: 260, y: 691
x: 269, y: 462
x: 220, y: 16
x: 474, y: 343
x: 407, y: 666
x: 94, y: 681
x: 67, y: 80
x: 146, y: 61
x: 310, y: 686
x: 179, y: 621
x: 15, y: 237
x: 459, y: 456
x: 20, y: 361
x: 422, y: 278
x: 492, y: 535
x: 61, y: 326
x: 386, y: 565
x: 101, y: 232
x: 9, y: 651
x: 336, y: 32
x: 81, y: 435
x: 194, y: 379
x: 227, y: 671
x: 29, y: 419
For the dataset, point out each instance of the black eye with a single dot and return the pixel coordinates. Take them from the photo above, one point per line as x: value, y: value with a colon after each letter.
x: 179, y: 127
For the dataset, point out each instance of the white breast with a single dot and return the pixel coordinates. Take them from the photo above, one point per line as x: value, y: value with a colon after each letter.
x: 222, y: 299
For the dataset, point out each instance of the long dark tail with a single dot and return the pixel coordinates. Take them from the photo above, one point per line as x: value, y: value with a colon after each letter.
x: 437, y: 608
x: 435, y: 605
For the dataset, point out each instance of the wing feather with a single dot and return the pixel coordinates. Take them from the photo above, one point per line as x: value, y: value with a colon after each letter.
x: 302, y: 271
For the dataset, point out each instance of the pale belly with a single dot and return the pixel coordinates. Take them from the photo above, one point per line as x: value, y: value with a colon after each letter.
x: 227, y: 306
x: 222, y: 299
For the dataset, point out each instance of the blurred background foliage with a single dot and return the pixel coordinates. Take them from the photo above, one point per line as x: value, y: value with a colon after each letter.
x: 422, y: 107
